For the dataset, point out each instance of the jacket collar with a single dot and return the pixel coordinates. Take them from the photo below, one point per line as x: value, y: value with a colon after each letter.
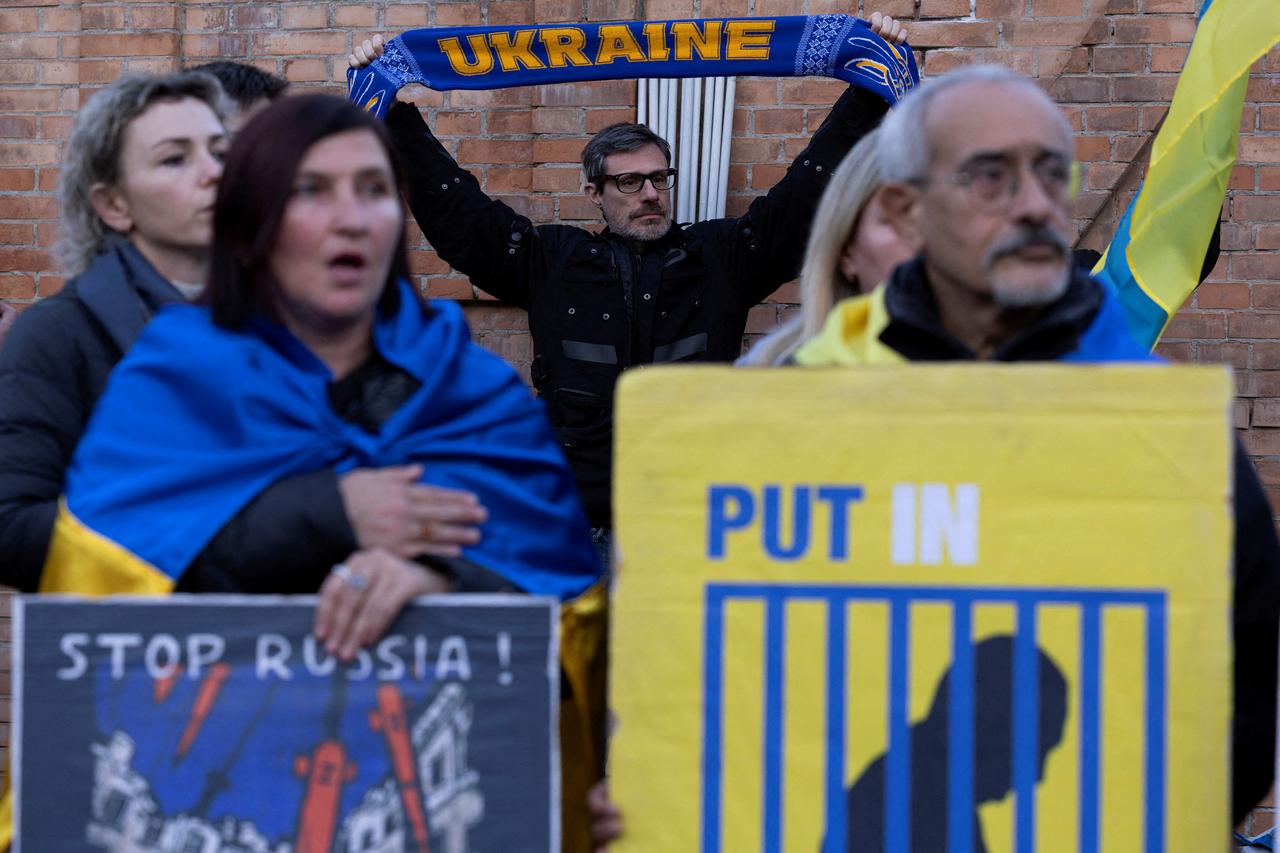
x: 123, y: 291
x: 915, y: 331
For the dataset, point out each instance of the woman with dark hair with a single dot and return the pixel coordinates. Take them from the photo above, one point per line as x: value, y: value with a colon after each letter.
x: 314, y: 354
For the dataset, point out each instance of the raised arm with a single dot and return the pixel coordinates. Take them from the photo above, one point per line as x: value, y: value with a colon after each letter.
x: 767, y: 244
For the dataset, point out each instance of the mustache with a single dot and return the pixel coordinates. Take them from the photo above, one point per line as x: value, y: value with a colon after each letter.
x: 649, y: 209
x: 1027, y: 235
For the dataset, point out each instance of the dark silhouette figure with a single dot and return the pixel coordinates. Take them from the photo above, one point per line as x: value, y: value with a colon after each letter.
x: 993, y: 704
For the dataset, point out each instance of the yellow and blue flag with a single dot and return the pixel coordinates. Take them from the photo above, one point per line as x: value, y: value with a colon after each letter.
x: 1155, y: 259
x: 197, y: 420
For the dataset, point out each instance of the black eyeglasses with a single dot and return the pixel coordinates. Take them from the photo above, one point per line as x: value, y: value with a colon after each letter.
x: 631, y: 182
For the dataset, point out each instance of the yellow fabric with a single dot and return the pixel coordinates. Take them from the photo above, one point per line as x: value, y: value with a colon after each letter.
x: 86, y: 563
x: 584, y: 626
x: 851, y: 335
x: 1192, y: 156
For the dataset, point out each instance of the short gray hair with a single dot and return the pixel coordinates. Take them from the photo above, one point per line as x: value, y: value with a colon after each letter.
x: 904, y: 145
x: 92, y: 155
x: 623, y: 136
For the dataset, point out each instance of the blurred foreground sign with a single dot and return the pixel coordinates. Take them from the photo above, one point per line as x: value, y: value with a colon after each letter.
x: 201, y: 723
x: 923, y: 609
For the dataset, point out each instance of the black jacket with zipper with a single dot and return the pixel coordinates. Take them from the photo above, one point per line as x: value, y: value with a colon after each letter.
x: 599, y: 304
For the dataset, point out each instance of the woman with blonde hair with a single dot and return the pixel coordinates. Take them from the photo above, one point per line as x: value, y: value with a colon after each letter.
x: 851, y: 250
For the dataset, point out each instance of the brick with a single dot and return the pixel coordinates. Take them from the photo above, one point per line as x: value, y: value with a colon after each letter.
x: 1187, y: 325
x: 203, y: 20
x: 1270, y: 117
x: 763, y: 91
x: 725, y: 8
x: 304, y: 17
x: 28, y: 47
x: 307, y: 70
x: 944, y: 8
x: 406, y: 17
x: 1000, y: 10
x: 426, y: 263
x: 17, y: 180
x: 615, y: 10
x: 135, y: 44
x: 17, y: 72
x: 278, y: 43
x: 599, y: 119
x: 1133, y: 89
x: 450, y: 288
x: 594, y: 94
x: 779, y: 121
x: 1079, y: 89
x: 153, y: 17
x: 102, y: 17
x: 255, y: 17
x: 459, y: 15
x: 953, y: 34
x: 811, y: 90
x: 17, y: 127
x: 1234, y: 354
x: 1253, y: 266
x: 354, y: 16
x: 1255, y: 208
x: 1268, y: 237
x: 17, y: 233
x: 1119, y: 59
x: 1054, y: 33
x: 1222, y: 296
x: 578, y: 209
x: 765, y: 175
x: 1153, y: 30
x: 1168, y: 60
x: 1057, y: 8
x: 1055, y: 61
x: 1253, y: 325
x: 1183, y: 7
x: 547, y: 179
x: 21, y: 21
x: 496, y: 317
x: 510, y: 122
x: 937, y: 62
x: 511, y: 12
x: 25, y: 154
x: 456, y: 124
x: 210, y: 47
x: 536, y: 208
x: 1260, y: 149
x: 1111, y: 118
x: 499, y: 181
x: 556, y: 120
x: 25, y: 260
x: 552, y: 150
x: 1092, y: 148
x: 494, y: 151
x: 1023, y: 61
x: 48, y: 180
x: 558, y: 11
x: 17, y: 286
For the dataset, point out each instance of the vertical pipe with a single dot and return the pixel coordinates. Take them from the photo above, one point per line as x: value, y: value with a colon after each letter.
x: 654, y: 106
x: 713, y: 179
x: 704, y: 164
x: 670, y: 94
x: 686, y: 178
x: 684, y: 160
x: 727, y: 134
x: 642, y: 101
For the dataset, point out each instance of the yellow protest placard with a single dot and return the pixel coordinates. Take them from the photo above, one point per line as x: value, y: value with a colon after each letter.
x: 917, y: 608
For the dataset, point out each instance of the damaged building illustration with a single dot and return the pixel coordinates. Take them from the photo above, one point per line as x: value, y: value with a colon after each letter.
x: 429, y: 800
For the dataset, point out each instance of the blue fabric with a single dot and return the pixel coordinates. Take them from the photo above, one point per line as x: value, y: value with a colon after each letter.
x: 839, y: 46
x: 197, y: 420
x: 1109, y: 337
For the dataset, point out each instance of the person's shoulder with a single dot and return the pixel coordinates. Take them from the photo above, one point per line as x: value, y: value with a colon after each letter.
x: 50, y: 324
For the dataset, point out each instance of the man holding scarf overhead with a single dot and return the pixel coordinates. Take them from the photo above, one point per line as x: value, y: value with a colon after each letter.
x: 644, y: 290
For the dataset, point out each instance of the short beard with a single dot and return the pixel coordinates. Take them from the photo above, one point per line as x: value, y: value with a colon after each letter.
x: 1017, y: 294
x: 631, y: 230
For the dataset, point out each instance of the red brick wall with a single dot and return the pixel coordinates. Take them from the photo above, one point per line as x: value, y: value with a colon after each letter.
x: 1112, y: 64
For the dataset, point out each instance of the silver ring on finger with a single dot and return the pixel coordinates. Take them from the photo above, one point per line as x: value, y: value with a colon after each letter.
x: 350, y: 577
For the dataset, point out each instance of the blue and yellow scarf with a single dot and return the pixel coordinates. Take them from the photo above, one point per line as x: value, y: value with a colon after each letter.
x: 839, y: 46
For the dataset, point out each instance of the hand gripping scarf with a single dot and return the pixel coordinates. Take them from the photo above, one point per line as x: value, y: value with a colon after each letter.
x: 837, y: 46
x: 198, y: 420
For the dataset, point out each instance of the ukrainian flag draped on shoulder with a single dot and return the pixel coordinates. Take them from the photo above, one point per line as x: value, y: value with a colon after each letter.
x: 198, y: 420
x: 839, y: 46
x: 1154, y: 260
